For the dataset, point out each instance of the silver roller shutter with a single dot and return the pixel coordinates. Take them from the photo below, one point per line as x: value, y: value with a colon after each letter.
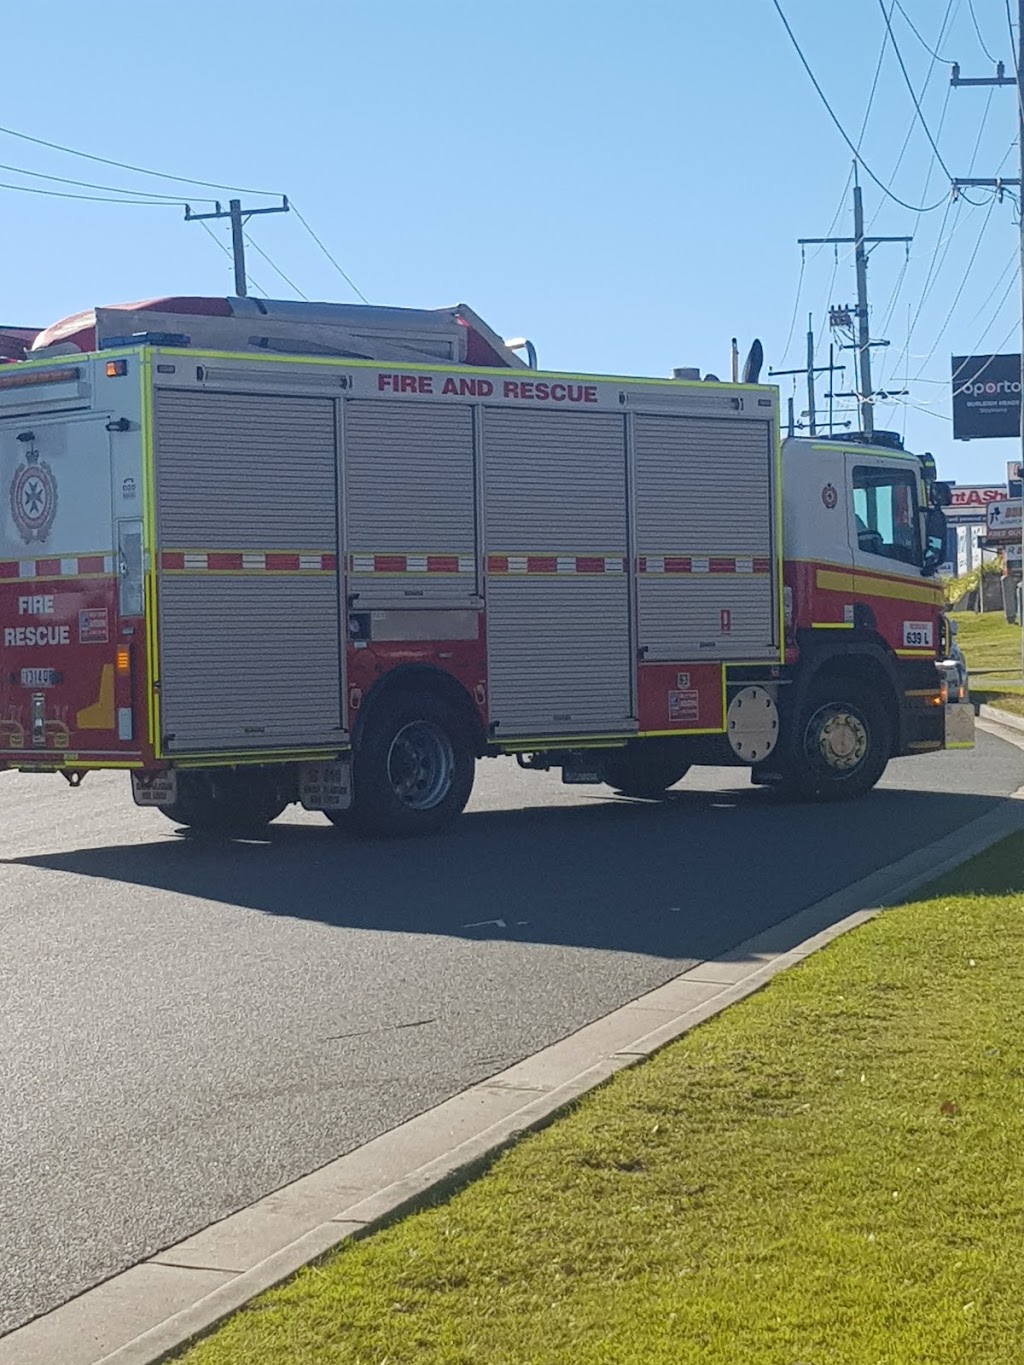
x: 249, y: 659
x: 704, y: 490
x: 558, y: 641
x: 410, y: 518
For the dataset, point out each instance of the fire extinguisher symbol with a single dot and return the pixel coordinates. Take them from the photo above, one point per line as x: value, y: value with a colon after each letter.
x: 726, y: 621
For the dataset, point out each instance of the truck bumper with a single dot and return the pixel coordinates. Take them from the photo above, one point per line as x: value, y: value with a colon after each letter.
x: 959, y: 725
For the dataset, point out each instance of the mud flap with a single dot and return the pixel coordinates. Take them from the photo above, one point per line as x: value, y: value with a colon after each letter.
x: 959, y: 732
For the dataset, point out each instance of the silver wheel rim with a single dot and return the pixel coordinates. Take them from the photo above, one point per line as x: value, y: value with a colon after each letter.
x: 837, y: 737
x: 421, y: 765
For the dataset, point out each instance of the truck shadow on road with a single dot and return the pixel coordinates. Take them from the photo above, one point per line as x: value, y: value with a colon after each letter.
x: 682, y: 880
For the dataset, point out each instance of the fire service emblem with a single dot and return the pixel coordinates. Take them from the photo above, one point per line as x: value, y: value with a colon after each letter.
x: 33, y: 498
x: 829, y: 496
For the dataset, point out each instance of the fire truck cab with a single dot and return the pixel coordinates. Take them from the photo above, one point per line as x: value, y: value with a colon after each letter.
x: 341, y: 576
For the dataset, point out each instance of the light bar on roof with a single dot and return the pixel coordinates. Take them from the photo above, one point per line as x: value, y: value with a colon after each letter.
x: 31, y: 378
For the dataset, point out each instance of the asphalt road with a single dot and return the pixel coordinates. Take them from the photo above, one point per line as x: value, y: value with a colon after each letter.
x: 186, y: 1026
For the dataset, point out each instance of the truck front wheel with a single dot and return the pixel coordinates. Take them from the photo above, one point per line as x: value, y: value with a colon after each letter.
x: 412, y: 768
x: 842, y: 743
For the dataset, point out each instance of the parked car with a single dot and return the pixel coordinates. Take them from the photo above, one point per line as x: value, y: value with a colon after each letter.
x: 953, y: 667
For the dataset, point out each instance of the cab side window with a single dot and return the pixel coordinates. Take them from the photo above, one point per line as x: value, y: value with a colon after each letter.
x: 885, y: 507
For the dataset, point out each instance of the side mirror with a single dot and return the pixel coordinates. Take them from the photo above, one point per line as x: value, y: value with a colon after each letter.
x: 935, y: 541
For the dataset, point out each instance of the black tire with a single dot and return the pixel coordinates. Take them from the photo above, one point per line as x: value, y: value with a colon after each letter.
x: 644, y: 769
x: 225, y: 800
x: 412, y: 767
x: 841, y: 744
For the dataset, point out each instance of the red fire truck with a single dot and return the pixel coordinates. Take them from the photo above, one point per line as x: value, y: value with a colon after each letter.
x: 256, y: 553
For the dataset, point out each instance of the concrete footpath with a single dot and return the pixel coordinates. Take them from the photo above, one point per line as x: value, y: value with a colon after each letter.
x: 139, y: 1316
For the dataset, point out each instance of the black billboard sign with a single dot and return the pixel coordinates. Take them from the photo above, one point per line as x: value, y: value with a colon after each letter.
x: 986, y: 396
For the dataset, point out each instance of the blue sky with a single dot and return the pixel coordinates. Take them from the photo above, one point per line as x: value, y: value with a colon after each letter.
x: 623, y: 183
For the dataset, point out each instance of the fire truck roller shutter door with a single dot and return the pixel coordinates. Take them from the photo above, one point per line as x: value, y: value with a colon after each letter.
x: 250, y: 655
x: 555, y: 518
x: 704, y: 538
x: 410, y: 504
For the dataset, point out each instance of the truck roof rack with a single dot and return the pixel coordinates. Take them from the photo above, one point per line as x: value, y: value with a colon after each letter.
x: 892, y: 440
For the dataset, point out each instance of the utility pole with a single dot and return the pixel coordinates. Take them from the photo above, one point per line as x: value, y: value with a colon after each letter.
x: 810, y: 371
x: 863, y: 341
x: 867, y: 406
x: 239, y: 217
x: 1017, y: 79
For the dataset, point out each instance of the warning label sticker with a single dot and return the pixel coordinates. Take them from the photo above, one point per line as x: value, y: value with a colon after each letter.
x: 684, y: 705
x: 93, y: 626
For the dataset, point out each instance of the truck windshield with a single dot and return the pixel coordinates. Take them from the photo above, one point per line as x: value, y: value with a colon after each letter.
x: 885, y: 505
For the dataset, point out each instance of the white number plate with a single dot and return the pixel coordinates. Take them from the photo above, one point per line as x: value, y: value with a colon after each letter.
x: 38, y: 677
x: 326, y: 786
x: 155, y: 789
x: 918, y: 634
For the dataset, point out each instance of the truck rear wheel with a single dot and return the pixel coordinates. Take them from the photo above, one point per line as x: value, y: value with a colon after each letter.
x: 644, y: 769
x: 412, y: 768
x: 225, y: 801
x: 842, y: 743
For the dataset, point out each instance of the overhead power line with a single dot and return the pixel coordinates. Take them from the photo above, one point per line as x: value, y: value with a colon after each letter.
x: 914, y: 208
x: 981, y: 40
x: 275, y: 267
x: 348, y: 280
x: 90, y: 185
x: 914, y: 119
x: 874, y: 83
x: 126, y: 166
x: 796, y: 306
x: 128, y: 196
x: 92, y: 198
x: 917, y: 34
x: 917, y: 103
x: 956, y: 298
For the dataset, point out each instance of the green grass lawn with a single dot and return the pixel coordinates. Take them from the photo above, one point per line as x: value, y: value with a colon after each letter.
x: 988, y: 642
x: 830, y: 1173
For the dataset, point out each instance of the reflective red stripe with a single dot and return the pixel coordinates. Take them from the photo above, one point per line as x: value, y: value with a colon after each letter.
x: 224, y: 559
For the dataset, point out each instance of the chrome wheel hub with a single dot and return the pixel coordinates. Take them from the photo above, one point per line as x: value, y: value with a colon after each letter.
x: 838, y: 738
x: 421, y: 765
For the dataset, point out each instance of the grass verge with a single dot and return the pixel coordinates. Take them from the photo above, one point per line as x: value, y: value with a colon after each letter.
x: 829, y: 1173
x: 988, y: 642
x: 1004, y: 701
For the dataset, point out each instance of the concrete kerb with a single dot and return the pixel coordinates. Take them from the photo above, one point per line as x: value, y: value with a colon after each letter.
x: 148, y: 1312
x: 995, y: 715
